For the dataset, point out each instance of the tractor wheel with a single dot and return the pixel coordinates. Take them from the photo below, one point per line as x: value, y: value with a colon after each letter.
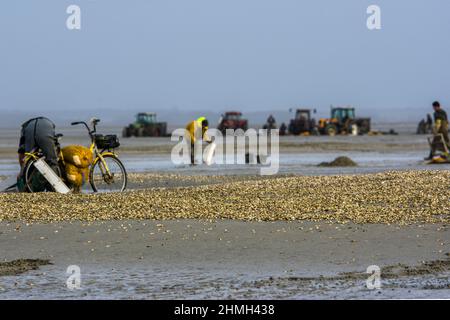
x: 140, y: 132
x: 331, y: 130
x: 125, y: 133
x: 293, y: 129
x: 364, y: 127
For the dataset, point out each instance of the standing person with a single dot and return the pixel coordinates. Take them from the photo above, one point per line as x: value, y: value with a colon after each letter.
x: 283, y: 129
x: 196, y: 130
x: 271, y: 122
x: 39, y: 133
x: 440, y: 121
x: 440, y: 127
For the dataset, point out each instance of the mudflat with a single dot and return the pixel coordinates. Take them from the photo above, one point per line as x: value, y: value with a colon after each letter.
x: 227, y: 259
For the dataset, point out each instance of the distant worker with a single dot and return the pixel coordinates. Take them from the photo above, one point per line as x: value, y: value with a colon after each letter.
x: 440, y: 127
x: 440, y: 121
x: 283, y: 129
x: 422, y: 127
x: 197, y: 131
x: 39, y: 133
x: 425, y: 126
x: 271, y: 121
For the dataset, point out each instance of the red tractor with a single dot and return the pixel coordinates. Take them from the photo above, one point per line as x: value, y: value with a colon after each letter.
x: 232, y: 120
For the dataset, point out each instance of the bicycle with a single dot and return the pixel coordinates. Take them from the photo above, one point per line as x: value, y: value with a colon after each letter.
x: 107, y: 172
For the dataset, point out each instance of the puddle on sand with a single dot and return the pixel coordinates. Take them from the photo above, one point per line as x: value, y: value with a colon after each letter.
x: 139, y: 283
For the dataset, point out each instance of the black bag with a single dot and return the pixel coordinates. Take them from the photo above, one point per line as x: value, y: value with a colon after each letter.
x: 109, y: 141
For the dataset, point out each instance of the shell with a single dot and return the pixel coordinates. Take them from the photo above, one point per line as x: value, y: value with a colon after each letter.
x: 404, y: 197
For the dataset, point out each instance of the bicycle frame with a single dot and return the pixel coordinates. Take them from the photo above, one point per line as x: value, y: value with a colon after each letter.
x: 35, y: 155
x: 30, y: 155
x: 98, y: 155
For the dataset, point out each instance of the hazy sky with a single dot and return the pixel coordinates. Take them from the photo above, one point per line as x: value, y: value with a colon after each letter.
x: 220, y: 54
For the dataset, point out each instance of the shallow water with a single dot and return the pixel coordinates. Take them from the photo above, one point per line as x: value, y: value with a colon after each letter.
x: 298, y: 155
x: 138, y: 282
x: 289, y: 163
x: 224, y: 259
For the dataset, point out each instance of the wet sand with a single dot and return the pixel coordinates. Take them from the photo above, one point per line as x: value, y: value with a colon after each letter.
x: 227, y: 259
x: 298, y: 155
x: 150, y: 145
x: 152, y: 251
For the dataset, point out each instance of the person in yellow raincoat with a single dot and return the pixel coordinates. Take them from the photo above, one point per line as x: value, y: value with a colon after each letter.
x: 196, y: 130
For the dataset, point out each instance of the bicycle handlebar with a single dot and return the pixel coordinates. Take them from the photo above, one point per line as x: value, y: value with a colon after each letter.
x: 86, y: 125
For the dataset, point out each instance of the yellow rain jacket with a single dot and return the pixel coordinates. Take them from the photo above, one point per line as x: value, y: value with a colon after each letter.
x: 195, y: 131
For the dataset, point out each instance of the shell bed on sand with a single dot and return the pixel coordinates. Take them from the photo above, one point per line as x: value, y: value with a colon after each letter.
x: 390, y: 197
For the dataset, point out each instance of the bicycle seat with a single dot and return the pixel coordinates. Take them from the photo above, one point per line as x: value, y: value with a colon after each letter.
x: 58, y: 136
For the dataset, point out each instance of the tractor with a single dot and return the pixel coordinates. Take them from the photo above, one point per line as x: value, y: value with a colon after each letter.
x: 232, y: 120
x: 145, y: 126
x: 302, y: 123
x: 343, y: 121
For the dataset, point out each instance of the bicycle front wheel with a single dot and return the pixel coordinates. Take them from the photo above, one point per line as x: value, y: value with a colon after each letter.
x: 108, y: 175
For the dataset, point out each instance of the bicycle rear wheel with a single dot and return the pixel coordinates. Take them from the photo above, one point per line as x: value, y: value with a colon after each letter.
x: 108, y: 175
x: 34, y: 180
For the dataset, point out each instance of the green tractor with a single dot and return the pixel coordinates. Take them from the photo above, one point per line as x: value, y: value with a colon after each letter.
x: 145, y: 126
x: 343, y: 121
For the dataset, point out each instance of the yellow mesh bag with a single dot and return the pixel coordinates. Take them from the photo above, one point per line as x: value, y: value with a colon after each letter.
x: 76, y: 176
x: 79, y: 156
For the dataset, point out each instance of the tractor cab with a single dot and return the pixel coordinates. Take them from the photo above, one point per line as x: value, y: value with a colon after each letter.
x: 233, y: 116
x: 232, y: 120
x: 343, y: 114
x: 145, y: 126
x: 303, y: 114
x: 144, y: 118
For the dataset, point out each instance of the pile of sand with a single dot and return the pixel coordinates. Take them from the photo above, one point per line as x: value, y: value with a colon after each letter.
x: 391, y: 197
x: 339, y: 162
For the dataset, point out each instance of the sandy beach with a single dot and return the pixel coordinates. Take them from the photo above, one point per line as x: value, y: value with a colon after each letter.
x: 226, y: 232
